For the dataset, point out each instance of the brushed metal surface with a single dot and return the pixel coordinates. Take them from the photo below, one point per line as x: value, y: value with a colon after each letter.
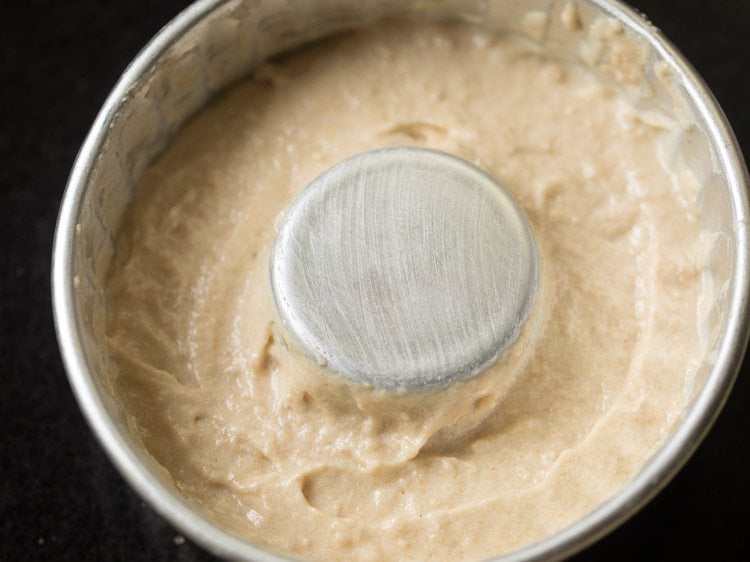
x: 404, y: 268
x: 212, y: 44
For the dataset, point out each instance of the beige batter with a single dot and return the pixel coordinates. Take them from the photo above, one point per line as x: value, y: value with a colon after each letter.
x: 310, y: 465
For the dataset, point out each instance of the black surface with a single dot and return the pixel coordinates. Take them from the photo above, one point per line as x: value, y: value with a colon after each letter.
x: 60, y: 497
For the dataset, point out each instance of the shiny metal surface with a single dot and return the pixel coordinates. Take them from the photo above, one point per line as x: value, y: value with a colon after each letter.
x: 215, y: 42
x: 404, y: 268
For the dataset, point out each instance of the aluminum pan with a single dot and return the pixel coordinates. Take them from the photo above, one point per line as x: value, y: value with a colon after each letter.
x: 144, y: 477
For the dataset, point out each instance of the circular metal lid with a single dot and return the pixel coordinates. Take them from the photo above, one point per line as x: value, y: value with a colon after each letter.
x: 404, y: 268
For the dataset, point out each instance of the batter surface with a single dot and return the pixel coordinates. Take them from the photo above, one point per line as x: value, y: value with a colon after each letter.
x: 322, y: 469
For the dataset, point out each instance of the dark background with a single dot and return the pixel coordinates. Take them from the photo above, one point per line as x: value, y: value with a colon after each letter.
x: 60, y: 497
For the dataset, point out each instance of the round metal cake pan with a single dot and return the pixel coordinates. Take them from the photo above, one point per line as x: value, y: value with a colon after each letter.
x: 212, y: 44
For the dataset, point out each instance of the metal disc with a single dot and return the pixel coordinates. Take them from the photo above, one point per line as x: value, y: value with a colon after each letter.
x: 404, y: 268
